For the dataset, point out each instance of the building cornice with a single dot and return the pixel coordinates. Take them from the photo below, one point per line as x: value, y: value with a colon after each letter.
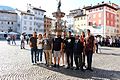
x: 100, y: 5
x: 34, y: 8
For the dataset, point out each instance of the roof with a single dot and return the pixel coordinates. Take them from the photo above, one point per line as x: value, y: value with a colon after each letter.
x: 27, y: 13
x: 74, y: 10
x: 100, y: 5
x: 39, y: 9
x: 7, y: 8
x: 80, y: 15
x: 2, y: 11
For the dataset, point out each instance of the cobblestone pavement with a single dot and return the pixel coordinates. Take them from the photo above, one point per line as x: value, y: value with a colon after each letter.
x: 15, y: 64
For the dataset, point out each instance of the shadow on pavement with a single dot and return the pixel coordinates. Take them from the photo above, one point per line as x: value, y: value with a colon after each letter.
x: 97, y: 74
x: 109, y: 54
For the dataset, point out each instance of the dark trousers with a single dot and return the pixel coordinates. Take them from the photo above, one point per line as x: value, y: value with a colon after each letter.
x: 22, y: 45
x: 89, y: 59
x: 33, y: 55
x: 39, y: 54
x: 96, y: 47
x: 78, y: 60
x: 69, y: 55
x: 13, y: 42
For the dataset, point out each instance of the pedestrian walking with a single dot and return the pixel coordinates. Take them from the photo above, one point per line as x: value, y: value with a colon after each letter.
x: 27, y: 39
x: 13, y: 39
x: 33, y: 45
x: 22, y: 38
x: 8, y: 39
x: 96, y: 44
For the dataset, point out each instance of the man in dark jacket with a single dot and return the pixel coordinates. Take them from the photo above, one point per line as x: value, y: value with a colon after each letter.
x: 33, y: 45
x: 77, y: 50
x: 69, y: 43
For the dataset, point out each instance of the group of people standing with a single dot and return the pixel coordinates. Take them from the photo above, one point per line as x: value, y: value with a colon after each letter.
x: 75, y: 47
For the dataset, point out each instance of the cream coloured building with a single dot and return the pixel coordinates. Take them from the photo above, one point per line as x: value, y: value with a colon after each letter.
x: 80, y: 22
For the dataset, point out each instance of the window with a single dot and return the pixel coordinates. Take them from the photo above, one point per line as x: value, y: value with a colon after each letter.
x: 90, y: 23
x: 12, y: 23
x: 84, y: 18
x: 36, y: 29
x: 99, y: 15
x: 108, y: 22
x: 117, y: 26
x: 99, y: 22
x: 81, y: 18
x: 117, y: 20
x: 78, y: 18
x: 34, y: 23
x: 25, y: 17
x: 24, y: 28
x: 107, y: 14
x: 117, y: 15
x: 111, y: 22
x: 35, y: 12
x: 30, y: 28
x: 30, y: 22
x: 30, y: 18
x: 111, y: 16
x: 24, y: 22
x: 8, y: 22
x: 117, y: 31
x: 94, y: 15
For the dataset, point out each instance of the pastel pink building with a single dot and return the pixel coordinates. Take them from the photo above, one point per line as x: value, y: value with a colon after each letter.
x: 103, y: 15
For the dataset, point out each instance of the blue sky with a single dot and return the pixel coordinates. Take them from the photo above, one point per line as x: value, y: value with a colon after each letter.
x: 51, y: 5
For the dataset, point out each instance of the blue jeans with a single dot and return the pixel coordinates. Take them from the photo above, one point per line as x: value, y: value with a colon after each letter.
x: 33, y: 55
x: 39, y: 54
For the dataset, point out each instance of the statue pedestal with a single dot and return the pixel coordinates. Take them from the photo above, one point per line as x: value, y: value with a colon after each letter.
x: 58, y: 15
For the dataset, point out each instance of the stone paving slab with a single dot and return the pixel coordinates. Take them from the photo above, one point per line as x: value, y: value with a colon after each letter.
x: 15, y: 64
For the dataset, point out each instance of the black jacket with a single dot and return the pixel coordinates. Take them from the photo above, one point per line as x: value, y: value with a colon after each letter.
x: 78, y: 47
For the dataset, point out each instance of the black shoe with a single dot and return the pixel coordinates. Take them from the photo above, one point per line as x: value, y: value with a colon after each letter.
x: 82, y: 70
x: 58, y: 66
x: 76, y: 68
x: 90, y: 70
x: 71, y: 68
x: 68, y: 67
x: 54, y: 65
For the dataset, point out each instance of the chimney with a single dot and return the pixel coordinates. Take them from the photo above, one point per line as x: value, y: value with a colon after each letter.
x: 91, y: 5
x: 102, y: 2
